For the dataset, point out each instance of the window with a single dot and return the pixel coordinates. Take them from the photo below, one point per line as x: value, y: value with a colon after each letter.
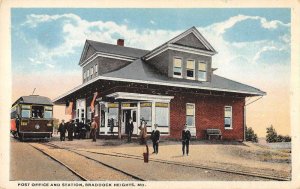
x: 177, y: 67
x: 190, y: 69
x: 202, y: 71
x: 88, y: 74
x: 37, y: 112
x: 190, y: 114
x: 48, y: 112
x: 84, y: 75
x: 146, y: 112
x: 25, y: 113
x: 92, y: 71
x: 228, y: 117
x: 113, y: 113
x: 96, y: 69
x: 162, y: 114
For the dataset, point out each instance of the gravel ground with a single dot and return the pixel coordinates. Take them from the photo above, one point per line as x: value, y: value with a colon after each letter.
x: 233, y: 156
x: 28, y: 164
x: 89, y: 169
x: 155, y: 171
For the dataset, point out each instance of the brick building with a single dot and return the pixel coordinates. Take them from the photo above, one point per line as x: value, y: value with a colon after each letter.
x: 171, y: 85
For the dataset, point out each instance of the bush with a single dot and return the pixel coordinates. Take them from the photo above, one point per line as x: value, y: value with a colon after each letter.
x: 250, y: 135
x: 271, y: 134
x: 273, y: 137
x: 287, y: 139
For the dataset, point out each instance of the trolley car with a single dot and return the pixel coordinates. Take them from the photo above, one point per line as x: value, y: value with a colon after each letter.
x: 31, y: 118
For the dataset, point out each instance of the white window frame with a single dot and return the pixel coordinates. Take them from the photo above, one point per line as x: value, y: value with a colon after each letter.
x: 177, y: 76
x: 192, y: 78
x: 96, y: 69
x: 200, y: 79
x: 231, y: 127
x: 194, y: 121
x: 92, y: 71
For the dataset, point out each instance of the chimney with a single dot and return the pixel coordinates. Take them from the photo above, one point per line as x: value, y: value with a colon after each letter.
x: 120, y: 42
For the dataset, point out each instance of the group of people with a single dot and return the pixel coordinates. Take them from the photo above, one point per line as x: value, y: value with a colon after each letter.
x: 155, y: 136
x: 79, y: 130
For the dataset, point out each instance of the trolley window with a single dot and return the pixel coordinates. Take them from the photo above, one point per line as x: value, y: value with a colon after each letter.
x: 48, y: 112
x: 37, y: 112
x: 25, y: 113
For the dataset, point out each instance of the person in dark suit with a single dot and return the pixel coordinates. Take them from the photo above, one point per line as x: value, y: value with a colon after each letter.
x: 130, y: 129
x: 155, y: 134
x: 70, y: 129
x: 111, y: 126
x: 186, y: 136
x: 62, y: 130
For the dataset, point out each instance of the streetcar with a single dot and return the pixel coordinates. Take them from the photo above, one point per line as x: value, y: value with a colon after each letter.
x: 31, y: 118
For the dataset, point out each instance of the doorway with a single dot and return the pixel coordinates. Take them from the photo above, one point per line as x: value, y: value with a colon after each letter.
x: 126, y: 115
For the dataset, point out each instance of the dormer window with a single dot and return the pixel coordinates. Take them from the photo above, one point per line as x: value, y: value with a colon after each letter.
x: 177, y: 67
x: 92, y: 71
x: 96, y: 69
x: 202, y: 71
x: 190, y: 69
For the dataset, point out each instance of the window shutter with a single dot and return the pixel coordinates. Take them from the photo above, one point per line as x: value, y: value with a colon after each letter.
x: 202, y: 66
x: 177, y: 62
x: 190, y: 64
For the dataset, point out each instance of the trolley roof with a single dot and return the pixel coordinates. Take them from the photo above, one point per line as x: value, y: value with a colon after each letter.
x: 34, y: 99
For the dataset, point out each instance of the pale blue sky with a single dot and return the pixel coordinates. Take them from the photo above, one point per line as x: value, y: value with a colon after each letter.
x: 41, y: 38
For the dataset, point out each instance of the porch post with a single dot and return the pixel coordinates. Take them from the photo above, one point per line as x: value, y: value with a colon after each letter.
x: 119, y: 120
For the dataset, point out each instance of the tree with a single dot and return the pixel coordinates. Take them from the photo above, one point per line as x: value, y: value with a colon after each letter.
x: 271, y: 134
x: 250, y: 135
x: 287, y: 139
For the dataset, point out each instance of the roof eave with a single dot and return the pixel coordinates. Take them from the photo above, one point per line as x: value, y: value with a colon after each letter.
x: 246, y: 93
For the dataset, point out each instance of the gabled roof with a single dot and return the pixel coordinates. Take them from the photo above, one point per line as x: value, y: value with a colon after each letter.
x: 171, y: 44
x: 34, y: 99
x: 141, y: 72
x: 113, y: 50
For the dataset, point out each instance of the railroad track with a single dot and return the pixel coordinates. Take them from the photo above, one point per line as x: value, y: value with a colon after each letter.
x: 224, y: 170
x: 60, y: 162
x: 76, y: 173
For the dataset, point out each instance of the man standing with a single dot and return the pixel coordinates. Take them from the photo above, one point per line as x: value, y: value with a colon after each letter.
x: 186, y: 136
x: 111, y: 126
x: 70, y: 129
x: 130, y: 129
x: 155, y: 134
x: 94, y: 127
x: 62, y: 130
x: 143, y: 132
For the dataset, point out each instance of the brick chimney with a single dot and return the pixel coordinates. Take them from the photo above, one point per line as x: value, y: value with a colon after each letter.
x: 120, y: 42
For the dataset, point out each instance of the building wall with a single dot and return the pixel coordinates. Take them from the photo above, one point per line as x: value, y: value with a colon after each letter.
x: 105, y: 65
x: 160, y: 62
x: 164, y: 63
x: 209, y: 109
x: 209, y: 113
x: 188, y: 56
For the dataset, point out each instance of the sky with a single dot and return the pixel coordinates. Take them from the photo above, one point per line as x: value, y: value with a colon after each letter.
x: 253, y: 48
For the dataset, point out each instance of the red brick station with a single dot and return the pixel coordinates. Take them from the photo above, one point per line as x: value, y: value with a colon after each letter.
x: 171, y: 85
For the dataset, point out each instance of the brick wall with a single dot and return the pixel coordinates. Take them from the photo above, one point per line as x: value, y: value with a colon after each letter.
x: 209, y: 112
